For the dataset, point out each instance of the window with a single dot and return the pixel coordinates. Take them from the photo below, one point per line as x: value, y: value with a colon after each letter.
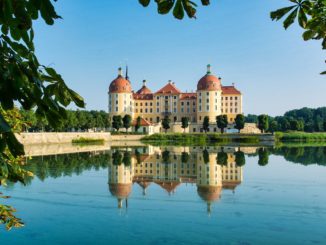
x: 188, y: 103
x: 146, y: 104
x: 146, y: 110
x: 141, y: 110
x: 157, y: 110
x: 199, y: 100
x: 216, y: 108
x: 116, y: 109
x: 199, y: 108
x: 166, y: 97
x: 175, y: 110
x: 207, y: 100
x: 136, y: 104
x: 157, y: 104
x: 207, y: 108
x: 215, y: 93
x: 175, y: 97
x: 236, y: 98
x: 231, y: 98
x: 182, y: 110
x: 151, y: 110
x: 182, y: 103
x: 236, y: 103
x: 207, y: 93
x: 158, y: 97
x: 151, y: 104
x: 199, y: 94
x: 236, y: 110
x: 231, y: 110
x: 136, y: 110
x: 188, y: 110
x: 226, y: 98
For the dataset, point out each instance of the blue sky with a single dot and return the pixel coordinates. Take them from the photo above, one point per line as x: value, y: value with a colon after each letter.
x: 275, y: 69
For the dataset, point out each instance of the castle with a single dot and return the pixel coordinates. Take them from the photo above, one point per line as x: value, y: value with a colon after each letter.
x: 210, y: 100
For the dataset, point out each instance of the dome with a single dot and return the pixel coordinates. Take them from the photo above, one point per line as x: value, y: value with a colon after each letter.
x: 120, y: 84
x: 120, y: 191
x: 209, y: 193
x: 209, y: 82
x: 144, y: 89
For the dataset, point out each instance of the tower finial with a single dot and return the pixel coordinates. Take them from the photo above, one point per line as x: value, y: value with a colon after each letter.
x: 144, y: 83
x: 120, y: 71
x: 127, y: 77
x: 208, y: 69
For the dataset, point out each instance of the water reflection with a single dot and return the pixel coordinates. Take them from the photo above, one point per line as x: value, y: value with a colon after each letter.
x: 210, y: 169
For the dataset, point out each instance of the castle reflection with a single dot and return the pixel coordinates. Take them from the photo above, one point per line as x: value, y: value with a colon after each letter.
x: 212, y: 169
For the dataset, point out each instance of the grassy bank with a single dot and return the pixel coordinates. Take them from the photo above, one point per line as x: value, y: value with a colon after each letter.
x: 88, y: 141
x: 200, y: 139
x: 300, y: 137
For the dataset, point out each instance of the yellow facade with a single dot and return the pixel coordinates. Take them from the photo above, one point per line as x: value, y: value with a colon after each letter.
x: 172, y: 166
x: 170, y: 101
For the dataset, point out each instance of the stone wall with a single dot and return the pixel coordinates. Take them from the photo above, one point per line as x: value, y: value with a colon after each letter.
x: 250, y: 128
x: 59, y: 138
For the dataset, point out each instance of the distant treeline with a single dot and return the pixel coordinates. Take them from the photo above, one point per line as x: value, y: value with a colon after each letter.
x: 79, y: 120
x: 305, y: 119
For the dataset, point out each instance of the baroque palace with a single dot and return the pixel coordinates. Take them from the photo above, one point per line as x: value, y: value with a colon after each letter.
x: 172, y: 166
x: 210, y: 99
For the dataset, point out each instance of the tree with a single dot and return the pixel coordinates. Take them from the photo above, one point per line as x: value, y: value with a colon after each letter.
x: 116, y: 158
x: 263, y: 156
x: 324, y: 125
x: 138, y: 122
x: 263, y: 123
x: 222, y: 158
x: 205, y: 156
x: 166, y: 156
x: 126, y: 122
x: 240, y: 159
x: 184, y: 157
x: 126, y: 158
x: 239, y: 122
x: 116, y: 122
x: 166, y: 123
x: 222, y: 122
x: 206, y: 124
x: 311, y: 17
x: 179, y: 7
x: 273, y: 126
x: 185, y: 123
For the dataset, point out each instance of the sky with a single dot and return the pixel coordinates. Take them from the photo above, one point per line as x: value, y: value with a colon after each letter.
x: 275, y: 69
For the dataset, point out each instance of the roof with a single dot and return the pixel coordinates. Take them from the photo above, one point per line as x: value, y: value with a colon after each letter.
x: 120, y: 190
x: 142, y: 96
x: 209, y: 83
x: 169, y: 186
x: 188, y: 96
x: 209, y: 193
x: 144, y: 90
x: 169, y: 88
x: 120, y: 85
x: 230, y: 90
x: 143, y: 122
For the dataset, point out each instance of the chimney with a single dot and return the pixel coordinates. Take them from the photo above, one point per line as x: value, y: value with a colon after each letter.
x: 120, y: 71
x: 144, y: 83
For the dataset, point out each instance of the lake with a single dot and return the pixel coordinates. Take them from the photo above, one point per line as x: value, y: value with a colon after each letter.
x: 173, y: 195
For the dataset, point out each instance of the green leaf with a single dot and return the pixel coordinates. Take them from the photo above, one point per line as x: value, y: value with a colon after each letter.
x: 145, y: 3
x: 302, y: 18
x: 278, y: 14
x: 178, y: 11
x: 205, y: 2
x: 164, y: 6
x: 15, y: 147
x: 4, y: 126
x: 290, y: 19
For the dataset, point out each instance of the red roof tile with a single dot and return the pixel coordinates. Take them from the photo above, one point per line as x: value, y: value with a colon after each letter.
x: 143, y: 122
x: 170, y: 88
x: 144, y: 90
x: 230, y: 90
x: 188, y: 96
x: 143, y: 96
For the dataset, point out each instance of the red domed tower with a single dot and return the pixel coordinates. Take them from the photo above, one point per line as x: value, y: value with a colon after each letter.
x: 209, y: 91
x: 120, y: 96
